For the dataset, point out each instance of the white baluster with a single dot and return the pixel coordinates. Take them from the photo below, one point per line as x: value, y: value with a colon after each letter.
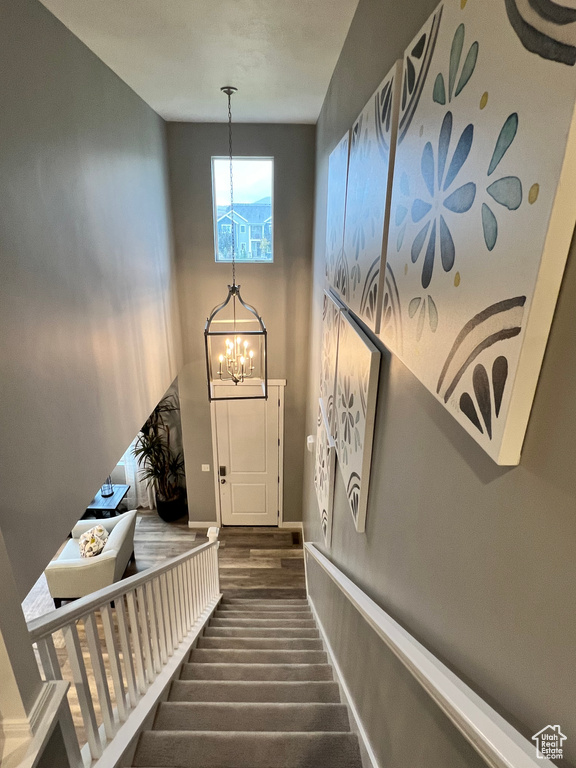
x: 190, y: 590
x: 114, y: 660
x: 176, y: 630
x: 145, y: 634
x: 153, y: 628
x: 195, y: 592
x: 156, y: 589
x: 49, y: 658
x: 136, y: 644
x: 82, y: 689
x: 95, y: 649
x: 217, y: 568
x: 183, y: 600
x: 167, y: 614
x: 124, y: 634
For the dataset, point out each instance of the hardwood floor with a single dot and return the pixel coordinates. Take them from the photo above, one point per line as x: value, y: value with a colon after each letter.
x: 254, y: 562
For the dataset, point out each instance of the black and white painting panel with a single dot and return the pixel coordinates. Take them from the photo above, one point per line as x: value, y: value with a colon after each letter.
x: 483, y: 208
x: 356, y: 394
x: 331, y: 309
x: 336, y: 206
x: 324, y: 473
x: 358, y: 276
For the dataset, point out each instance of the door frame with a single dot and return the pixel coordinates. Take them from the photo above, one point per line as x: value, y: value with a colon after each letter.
x: 280, y: 383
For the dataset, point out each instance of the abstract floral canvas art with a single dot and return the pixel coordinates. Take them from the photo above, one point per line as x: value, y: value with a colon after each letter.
x: 483, y: 208
x: 324, y: 473
x: 355, y: 408
x: 357, y: 276
x: 336, y: 206
x: 330, y: 329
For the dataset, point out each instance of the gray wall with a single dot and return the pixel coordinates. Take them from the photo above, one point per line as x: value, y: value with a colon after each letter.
x: 87, y: 346
x: 280, y: 291
x: 474, y: 559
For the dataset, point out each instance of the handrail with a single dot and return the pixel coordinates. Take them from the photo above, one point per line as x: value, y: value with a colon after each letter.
x: 55, y: 620
x: 148, y: 622
x: 497, y: 742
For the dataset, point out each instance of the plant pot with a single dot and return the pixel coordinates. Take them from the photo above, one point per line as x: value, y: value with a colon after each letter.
x: 172, y: 510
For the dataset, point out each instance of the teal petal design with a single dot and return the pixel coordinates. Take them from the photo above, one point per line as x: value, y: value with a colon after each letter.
x: 400, y: 238
x: 460, y: 155
x: 413, y: 306
x: 419, y: 209
x: 447, y: 249
x: 427, y: 167
x: 432, y: 314
x: 429, y: 258
x: 401, y: 213
x: 490, y: 227
x: 505, y: 138
x: 507, y: 192
x: 443, y: 144
x: 439, y: 92
x: 461, y: 199
x: 419, y: 242
x: 455, y: 54
x: 468, y: 68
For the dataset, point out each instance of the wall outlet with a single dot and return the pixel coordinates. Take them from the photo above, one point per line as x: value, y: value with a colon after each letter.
x: 205, y: 467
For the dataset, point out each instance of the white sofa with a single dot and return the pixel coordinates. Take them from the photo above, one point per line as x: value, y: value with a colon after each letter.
x: 70, y: 576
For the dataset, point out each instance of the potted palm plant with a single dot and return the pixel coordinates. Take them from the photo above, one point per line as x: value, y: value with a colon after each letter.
x: 163, y: 469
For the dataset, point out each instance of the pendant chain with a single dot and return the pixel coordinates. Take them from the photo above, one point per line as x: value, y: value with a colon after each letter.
x: 231, y: 189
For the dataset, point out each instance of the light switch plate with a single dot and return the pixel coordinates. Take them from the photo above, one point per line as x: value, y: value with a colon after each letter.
x: 205, y: 467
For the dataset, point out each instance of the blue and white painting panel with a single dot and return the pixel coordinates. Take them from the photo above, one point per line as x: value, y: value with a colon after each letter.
x: 483, y: 208
x: 356, y: 394
x: 358, y: 277
x: 324, y: 473
x: 336, y: 206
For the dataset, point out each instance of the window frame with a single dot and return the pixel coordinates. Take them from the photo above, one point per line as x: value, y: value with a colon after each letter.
x: 268, y: 223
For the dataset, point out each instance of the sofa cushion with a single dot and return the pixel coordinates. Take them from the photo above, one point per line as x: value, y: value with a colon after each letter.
x: 93, y: 541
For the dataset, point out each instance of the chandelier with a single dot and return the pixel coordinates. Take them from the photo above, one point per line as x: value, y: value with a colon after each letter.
x: 235, y: 335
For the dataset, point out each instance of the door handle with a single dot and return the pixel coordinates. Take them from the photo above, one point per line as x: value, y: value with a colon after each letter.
x: 222, y: 481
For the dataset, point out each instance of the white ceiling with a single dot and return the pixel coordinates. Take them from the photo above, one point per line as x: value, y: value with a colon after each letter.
x: 176, y: 54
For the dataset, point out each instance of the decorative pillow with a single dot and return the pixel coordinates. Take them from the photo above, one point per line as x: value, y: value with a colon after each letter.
x: 92, y: 542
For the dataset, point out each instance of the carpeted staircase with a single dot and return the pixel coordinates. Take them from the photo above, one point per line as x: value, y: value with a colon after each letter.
x: 257, y: 693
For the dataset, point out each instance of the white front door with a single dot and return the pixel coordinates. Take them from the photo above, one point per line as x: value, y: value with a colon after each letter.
x: 247, y: 434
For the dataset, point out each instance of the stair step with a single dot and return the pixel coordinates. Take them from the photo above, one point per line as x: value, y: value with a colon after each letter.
x: 209, y: 671
x: 247, y: 656
x: 254, y: 690
x: 234, y: 749
x: 260, y: 632
x: 227, y: 716
x: 240, y: 622
x: 263, y: 607
x: 244, y: 615
x: 263, y: 643
x: 262, y: 601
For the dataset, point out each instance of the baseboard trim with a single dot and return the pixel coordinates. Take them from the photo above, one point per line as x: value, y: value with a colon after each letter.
x: 296, y: 526
x: 201, y: 523
x: 368, y: 757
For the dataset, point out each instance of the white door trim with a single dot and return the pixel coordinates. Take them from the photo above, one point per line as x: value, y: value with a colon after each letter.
x: 280, y: 383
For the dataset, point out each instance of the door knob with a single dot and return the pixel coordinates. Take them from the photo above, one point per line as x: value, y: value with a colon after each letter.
x: 222, y: 481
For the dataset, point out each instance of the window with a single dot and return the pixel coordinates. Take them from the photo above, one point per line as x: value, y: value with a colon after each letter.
x: 252, y: 220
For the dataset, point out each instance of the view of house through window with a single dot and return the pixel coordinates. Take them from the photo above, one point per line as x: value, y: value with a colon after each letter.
x: 252, y: 217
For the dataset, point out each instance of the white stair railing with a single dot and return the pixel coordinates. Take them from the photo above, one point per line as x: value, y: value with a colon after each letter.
x: 498, y: 742
x: 118, y: 641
